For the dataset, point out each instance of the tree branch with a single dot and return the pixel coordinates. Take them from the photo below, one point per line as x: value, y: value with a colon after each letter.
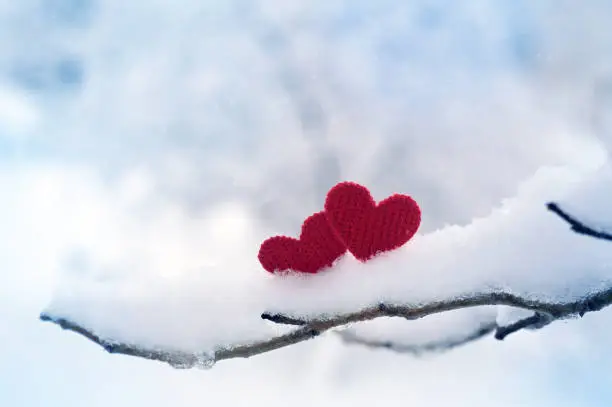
x: 350, y: 337
x: 536, y: 321
x: 184, y: 360
x: 282, y: 319
x: 545, y: 312
x: 578, y: 226
x: 313, y: 328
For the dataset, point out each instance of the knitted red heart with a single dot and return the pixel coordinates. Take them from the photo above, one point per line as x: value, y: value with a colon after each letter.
x: 367, y: 228
x: 318, y: 247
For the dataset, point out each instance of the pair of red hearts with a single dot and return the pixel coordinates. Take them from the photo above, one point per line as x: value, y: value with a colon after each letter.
x: 350, y: 221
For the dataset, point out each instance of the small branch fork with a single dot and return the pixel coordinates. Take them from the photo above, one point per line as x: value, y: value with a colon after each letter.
x: 544, y: 313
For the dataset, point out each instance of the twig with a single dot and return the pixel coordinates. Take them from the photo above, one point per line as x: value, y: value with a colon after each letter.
x: 576, y: 225
x: 483, y: 330
x: 536, y: 321
x: 282, y: 319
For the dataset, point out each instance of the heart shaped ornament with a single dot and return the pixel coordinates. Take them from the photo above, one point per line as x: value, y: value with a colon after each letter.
x: 317, y: 248
x: 367, y: 228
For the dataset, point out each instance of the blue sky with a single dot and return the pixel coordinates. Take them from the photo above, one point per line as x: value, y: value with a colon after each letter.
x: 104, y: 103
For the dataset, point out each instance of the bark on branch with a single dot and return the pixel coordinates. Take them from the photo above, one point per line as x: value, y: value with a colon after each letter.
x: 544, y: 313
x: 536, y: 321
x: 313, y: 328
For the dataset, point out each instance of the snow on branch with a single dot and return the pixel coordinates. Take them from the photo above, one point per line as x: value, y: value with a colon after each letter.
x: 515, y: 257
x: 312, y: 328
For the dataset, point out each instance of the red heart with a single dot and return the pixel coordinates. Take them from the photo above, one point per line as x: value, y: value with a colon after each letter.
x: 318, y: 247
x: 367, y: 228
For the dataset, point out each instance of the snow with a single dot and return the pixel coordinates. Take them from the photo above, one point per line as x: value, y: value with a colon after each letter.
x: 214, y: 297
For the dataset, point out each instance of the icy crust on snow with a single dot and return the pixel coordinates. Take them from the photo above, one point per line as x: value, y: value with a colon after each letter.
x: 520, y: 247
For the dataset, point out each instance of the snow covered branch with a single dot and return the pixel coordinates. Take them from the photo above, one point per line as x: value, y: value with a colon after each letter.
x: 545, y: 311
x: 313, y: 328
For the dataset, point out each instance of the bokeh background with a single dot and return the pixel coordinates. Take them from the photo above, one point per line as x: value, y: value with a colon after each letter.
x: 154, y: 113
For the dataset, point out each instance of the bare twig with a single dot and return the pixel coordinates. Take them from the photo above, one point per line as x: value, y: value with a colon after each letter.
x: 282, y: 319
x: 576, y: 225
x: 536, y: 321
x: 350, y: 337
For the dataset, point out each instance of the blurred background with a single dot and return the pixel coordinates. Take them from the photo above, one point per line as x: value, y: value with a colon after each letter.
x: 110, y: 110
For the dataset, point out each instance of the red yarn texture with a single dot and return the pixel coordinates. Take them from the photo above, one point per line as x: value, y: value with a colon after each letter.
x: 367, y: 228
x: 317, y: 248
